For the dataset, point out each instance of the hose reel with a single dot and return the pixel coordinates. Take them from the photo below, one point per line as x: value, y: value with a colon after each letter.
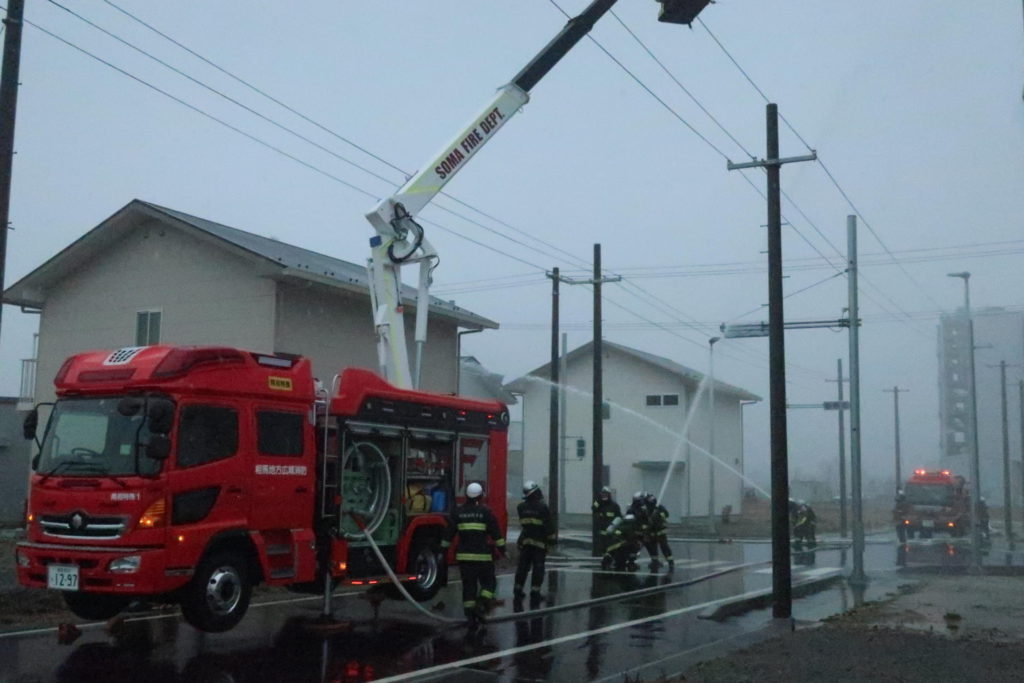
x: 365, y: 488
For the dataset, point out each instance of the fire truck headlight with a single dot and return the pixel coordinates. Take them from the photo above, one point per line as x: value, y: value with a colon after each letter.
x: 23, y: 559
x: 126, y: 565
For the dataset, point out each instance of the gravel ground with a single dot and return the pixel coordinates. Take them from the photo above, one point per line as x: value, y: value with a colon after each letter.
x: 944, y: 628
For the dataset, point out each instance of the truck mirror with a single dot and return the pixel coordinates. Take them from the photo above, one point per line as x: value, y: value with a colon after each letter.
x: 129, y: 406
x: 161, y: 415
x: 28, y: 427
x: 159, y: 447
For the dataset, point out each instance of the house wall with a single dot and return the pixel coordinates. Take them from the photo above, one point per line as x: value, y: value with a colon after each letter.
x: 335, y: 329
x: 636, y: 432
x: 205, y: 295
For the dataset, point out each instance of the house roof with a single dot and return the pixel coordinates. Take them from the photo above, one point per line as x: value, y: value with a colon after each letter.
x: 688, y: 375
x: 282, y: 260
x: 491, y: 381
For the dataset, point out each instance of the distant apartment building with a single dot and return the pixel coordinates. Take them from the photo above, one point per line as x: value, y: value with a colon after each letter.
x: 998, y: 336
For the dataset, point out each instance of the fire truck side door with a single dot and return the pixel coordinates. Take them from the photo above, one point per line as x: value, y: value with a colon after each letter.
x: 282, y: 469
x: 206, y: 486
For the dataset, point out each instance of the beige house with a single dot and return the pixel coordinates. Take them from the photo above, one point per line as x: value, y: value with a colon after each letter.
x: 647, y: 400
x: 150, y: 275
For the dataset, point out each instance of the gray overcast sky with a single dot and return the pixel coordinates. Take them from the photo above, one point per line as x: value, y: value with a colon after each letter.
x: 915, y: 107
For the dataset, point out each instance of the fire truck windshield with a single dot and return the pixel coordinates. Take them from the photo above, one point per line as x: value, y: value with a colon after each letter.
x: 88, y: 437
x: 929, y: 494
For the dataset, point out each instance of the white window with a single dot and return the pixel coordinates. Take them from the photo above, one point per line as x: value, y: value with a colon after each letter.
x: 147, y: 328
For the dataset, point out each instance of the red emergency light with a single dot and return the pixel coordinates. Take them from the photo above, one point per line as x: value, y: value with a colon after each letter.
x: 181, y: 360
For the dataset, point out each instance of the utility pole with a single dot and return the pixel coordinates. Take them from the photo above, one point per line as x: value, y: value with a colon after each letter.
x: 842, y: 449
x: 896, y: 391
x: 1007, y: 494
x: 975, y: 567
x: 8, y: 108
x: 563, y: 419
x: 782, y: 590
x: 857, y: 577
x: 1020, y: 403
x: 597, y: 478
x: 553, y: 439
x: 711, y: 433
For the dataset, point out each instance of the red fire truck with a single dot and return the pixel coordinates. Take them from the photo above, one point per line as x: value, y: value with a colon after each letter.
x: 932, y: 501
x: 192, y: 474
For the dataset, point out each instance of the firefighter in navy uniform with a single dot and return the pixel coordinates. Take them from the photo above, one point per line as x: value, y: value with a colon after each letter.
x: 659, y: 530
x: 605, y: 511
x: 625, y: 534
x: 640, y: 509
x: 535, y: 540
x: 477, y: 528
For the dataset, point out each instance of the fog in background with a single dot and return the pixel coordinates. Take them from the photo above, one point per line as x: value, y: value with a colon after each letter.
x: 914, y: 107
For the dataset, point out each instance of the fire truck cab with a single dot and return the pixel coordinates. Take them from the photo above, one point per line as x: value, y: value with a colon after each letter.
x: 192, y: 474
x: 932, y: 501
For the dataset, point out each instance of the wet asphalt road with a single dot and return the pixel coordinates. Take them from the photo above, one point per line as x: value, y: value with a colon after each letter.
x: 647, y: 635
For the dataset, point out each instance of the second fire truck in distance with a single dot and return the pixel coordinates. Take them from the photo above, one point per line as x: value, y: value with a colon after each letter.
x: 932, y: 501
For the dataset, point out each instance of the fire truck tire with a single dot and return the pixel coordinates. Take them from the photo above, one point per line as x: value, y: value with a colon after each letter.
x: 218, y: 596
x: 427, y: 562
x: 95, y: 606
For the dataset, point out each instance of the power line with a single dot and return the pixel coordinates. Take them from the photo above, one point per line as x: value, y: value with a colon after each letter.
x: 263, y: 143
x: 825, y: 168
x: 355, y: 145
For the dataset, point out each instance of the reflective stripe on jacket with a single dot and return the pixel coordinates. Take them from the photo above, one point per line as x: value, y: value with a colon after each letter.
x: 477, y: 528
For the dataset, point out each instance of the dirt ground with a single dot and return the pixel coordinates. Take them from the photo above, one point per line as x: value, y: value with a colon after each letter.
x: 943, y: 628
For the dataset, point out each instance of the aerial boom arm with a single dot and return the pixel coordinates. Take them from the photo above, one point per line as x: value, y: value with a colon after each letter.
x: 400, y: 240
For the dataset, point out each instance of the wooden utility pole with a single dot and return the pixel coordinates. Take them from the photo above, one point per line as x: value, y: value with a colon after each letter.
x: 553, y: 440
x: 782, y: 591
x: 597, y: 445
x: 8, y: 107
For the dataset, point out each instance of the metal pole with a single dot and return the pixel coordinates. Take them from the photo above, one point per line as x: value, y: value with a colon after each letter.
x: 975, y: 465
x: 896, y: 401
x: 842, y: 452
x: 598, y: 416
x: 711, y: 433
x: 1007, y: 503
x: 896, y: 420
x: 563, y: 419
x: 8, y: 108
x: 1020, y: 403
x: 782, y: 594
x: 553, y: 485
x: 857, y: 576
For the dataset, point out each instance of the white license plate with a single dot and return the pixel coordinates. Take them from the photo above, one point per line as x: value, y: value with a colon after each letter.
x: 928, y: 523
x: 63, y: 577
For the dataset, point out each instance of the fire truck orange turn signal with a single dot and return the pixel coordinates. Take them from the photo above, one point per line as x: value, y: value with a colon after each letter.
x: 154, y: 515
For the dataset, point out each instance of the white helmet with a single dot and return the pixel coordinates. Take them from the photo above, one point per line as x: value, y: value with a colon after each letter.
x: 474, y: 490
x: 529, y: 488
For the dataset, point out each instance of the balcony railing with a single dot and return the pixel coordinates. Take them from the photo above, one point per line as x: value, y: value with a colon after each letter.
x: 27, y: 395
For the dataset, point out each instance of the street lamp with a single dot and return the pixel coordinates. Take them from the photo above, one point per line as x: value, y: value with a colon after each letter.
x: 972, y: 392
x: 711, y: 432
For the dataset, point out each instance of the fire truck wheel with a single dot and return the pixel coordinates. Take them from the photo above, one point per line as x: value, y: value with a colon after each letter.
x: 95, y: 606
x: 427, y: 563
x: 218, y: 596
